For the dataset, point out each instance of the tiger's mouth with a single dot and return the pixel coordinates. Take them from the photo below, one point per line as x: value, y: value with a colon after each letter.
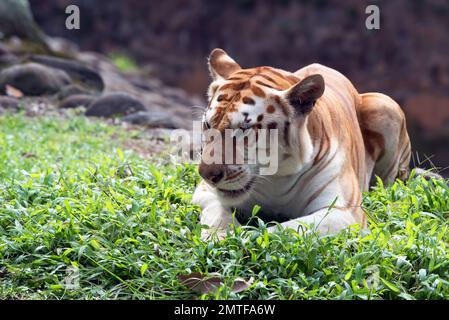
x: 236, y: 193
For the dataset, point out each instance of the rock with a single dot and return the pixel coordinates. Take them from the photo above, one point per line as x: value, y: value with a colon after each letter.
x: 33, y: 79
x: 70, y: 90
x: 3, y: 49
x: 9, y: 102
x: 62, y: 46
x: 114, y: 104
x: 77, y: 100
x: 16, y: 19
x: 77, y: 71
x: 177, y: 95
x: 146, y: 84
x: 154, y: 119
x: 7, y: 59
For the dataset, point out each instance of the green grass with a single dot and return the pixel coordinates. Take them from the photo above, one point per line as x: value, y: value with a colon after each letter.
x: 66, y: 210
x: 123, y: 63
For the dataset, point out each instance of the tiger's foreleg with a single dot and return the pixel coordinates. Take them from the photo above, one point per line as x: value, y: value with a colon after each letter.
x: 324, y: 221
x: 214, y: 215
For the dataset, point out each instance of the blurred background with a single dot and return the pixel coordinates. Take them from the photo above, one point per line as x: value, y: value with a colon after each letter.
x: 170, y: 40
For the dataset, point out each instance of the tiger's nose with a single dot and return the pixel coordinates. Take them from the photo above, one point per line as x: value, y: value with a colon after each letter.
x: 213, y: 173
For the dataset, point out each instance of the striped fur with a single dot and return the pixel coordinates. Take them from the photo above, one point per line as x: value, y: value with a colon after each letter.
x: 329, y: 153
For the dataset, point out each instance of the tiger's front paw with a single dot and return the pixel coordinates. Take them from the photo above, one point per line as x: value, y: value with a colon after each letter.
x: 211, y: 234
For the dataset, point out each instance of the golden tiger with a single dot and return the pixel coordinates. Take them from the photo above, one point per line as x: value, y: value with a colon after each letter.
x: 332, y: 142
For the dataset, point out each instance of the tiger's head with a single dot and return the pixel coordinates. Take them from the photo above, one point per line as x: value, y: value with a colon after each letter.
x: 243, y: 104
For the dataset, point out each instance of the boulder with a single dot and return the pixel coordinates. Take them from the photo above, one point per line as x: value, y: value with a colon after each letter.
x: 3, y: 49
x: 71, y: 90
x: 62, y: 47
x: 9, y: 102
x: 77, y: 100
x: 7, y: 59
x: 114, y: 104
x: 16, y: 19
x: 154, y: 119
x: 77, y: 71
x: 33, y: 79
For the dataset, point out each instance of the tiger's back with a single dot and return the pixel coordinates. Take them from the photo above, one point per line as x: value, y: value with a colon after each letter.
x: 373, y: 120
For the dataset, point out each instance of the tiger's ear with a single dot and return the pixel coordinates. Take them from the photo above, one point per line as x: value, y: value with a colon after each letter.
x: 221, y: 65
x: 303, y: 95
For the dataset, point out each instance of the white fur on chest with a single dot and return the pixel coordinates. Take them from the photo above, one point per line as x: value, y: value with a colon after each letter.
x: 295, y: 195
